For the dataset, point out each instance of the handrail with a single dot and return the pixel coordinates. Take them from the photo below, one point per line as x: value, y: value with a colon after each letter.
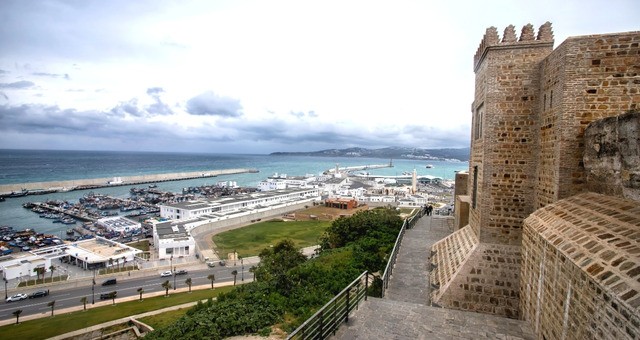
x: 327, y: 319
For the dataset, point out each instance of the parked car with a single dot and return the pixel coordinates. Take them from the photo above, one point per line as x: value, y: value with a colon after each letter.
x: 167, y: 273
x: 211, y: 264
x: 107, y: 296
x: 109, y: 282
x: 222, y: 263
x: 38, y: 294
x: 17, y: 297
x: 181, y: 272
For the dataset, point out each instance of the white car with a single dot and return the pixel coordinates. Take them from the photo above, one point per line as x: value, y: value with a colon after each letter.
x: 167, y: 273
x: 16, y: 297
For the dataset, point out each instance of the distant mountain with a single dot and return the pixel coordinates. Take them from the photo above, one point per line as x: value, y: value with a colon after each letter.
x: 389, y: 152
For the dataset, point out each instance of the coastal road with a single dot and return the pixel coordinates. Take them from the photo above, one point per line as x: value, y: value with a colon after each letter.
x: 125, y: 287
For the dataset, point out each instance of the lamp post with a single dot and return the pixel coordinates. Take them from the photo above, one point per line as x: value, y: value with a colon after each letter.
x: 242, y: 272
x: 174, y: 278
x: 5, y: 287
x: 235, y: 257
x: 93, y: 288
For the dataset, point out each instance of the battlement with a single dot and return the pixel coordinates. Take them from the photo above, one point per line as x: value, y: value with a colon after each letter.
x: 509, y: 39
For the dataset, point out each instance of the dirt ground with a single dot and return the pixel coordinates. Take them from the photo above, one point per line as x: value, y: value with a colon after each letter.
x: 323, y: 213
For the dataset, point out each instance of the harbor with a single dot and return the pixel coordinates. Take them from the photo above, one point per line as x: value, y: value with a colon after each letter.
x: 39, y: 188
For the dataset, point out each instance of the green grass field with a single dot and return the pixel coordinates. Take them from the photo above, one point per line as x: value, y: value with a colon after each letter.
x: 47, y: 327
x: 251, y: 240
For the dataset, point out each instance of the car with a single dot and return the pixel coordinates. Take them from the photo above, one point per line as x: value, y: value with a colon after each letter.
x: 16, y: 297
x: 109, y: 282
x: 107, y: 296
x: 211, y: 264
x: 222, y: 263
x: 167, y: 273
x: 181, y: 272
x: 38, y: 294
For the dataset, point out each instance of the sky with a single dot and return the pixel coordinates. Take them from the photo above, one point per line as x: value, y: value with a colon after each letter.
x: 257, y: 77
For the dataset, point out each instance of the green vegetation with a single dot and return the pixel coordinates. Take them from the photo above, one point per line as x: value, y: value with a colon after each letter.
x: 250, y: 240
x: 33, y: 282
x: 44, y: 328
x: 142, y: 245
x: 288, y: 288
x: 164, y: 319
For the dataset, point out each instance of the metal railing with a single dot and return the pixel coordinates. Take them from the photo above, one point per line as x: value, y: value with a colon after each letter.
x: 326, y: 321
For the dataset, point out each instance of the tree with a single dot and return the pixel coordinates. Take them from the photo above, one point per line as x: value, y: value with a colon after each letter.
x: 166, y: 285
x: 52, y: 268
x: 39, y: 271
x: 112, y: 296
x: 276, y: 262
x: 52, y: 304
x: 188, y: 282
x: 17, y: 314
x: 124, y: 261
x: 140, y: 290
x: 111, y: 264
x: 212, y: 278
x: 84, y: 301
x: 235, y: 274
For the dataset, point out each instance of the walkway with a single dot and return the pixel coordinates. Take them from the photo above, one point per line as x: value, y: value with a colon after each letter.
x: 406, y: 312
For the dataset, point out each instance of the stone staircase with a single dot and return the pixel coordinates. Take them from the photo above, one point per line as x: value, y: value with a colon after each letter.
x: 406, y: 312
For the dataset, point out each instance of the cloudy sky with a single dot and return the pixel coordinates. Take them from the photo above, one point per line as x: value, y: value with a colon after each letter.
x: 257, y: 76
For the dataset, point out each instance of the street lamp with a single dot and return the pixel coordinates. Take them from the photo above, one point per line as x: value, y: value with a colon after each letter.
x: 235, y: 257
x: 5, y: 287
x: 242, y: 272
x: 93, y: 288
x: 174, y: 278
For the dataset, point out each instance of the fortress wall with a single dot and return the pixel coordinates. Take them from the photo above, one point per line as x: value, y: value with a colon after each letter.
x: 473, y: 276
x: 127, y: 180
x: 580, y: 276
x: 585, y: 79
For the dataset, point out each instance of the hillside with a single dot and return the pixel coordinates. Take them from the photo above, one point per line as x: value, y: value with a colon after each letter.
x: 389, y: 152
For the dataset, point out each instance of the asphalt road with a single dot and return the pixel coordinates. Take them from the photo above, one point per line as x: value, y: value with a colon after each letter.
x: 125, y: 287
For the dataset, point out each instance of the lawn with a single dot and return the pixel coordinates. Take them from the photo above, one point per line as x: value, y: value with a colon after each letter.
x: 252, y: 239
x: 47, y: 327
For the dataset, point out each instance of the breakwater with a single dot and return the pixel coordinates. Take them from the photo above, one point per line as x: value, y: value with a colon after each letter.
x: 90, y: 183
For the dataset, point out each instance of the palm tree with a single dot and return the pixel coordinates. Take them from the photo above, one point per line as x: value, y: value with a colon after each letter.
x: 124, y: 261
x: 212, y: 278
x: 188, y: 282
x: 17, y: 314
x: 140, y: 290
x: 111, y: 264
x: 253, y: 270
x: 84, y: 301
x: 52, y: 268
x: 166, y: 285
x: 234, y: 273
x: 52, y: 304
x: 113, y: 295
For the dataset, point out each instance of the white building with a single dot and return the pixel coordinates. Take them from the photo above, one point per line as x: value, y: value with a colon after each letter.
x: 214, y: 208
x: 119, y: 224
x: 172, y: 239
x: 282, y: 181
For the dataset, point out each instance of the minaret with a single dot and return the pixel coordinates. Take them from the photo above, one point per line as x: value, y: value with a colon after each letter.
x: 414, y: 182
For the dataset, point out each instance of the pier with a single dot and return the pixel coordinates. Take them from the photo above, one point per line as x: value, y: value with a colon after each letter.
x: 338, y: 169
x: 7, y: 190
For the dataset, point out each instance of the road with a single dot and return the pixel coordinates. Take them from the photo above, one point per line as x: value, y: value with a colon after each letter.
x: 125, y: 287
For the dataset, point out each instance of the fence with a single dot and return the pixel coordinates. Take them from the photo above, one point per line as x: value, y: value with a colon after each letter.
x: 326, y: 321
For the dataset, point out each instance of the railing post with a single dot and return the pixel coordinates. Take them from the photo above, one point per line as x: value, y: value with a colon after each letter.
x: 346, y: 313
x: 366, y: 286
x: 320, y: 330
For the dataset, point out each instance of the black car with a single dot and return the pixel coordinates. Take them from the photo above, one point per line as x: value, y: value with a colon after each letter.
x: 181, y: 272
x: 107, y: 296
x: 38, y: 294
x: 109, y: 282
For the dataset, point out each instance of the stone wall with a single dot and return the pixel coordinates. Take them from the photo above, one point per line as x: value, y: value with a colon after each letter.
x: 580, y: 276
x: 585, y: 79
x: 612, y: 156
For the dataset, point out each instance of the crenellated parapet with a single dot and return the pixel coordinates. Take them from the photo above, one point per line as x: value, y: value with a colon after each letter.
x: 509, y: 39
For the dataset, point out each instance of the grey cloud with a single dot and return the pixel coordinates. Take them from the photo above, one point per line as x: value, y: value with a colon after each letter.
x: 22, y: 84
x: 130, y: 107
x: 3, y: 72
x: 2, y: 94
x: 210, y: 104
x: 303, y: 114
x: 154, y: 91
x: 159, y: 108
x: 51, y: 75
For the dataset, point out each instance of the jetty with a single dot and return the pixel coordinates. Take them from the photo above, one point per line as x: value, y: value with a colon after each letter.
x: 22, y: 189
x: 348, y: 169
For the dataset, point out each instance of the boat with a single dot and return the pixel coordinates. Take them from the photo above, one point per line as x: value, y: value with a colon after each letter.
x: 151, y: 186
x: 70, y: 231
x: 429, y: 166
x: 21, y: 193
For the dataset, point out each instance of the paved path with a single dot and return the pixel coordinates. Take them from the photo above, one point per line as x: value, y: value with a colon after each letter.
x: 405, y: 312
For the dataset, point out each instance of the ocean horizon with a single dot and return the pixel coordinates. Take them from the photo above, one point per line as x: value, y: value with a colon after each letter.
x: 26, y: 166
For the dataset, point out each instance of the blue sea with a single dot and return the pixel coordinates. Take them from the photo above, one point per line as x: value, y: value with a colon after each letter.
x: 23, y: 166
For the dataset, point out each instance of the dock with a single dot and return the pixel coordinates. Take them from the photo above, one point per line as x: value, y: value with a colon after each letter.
x: 7, y: 190
x: 339, y: 169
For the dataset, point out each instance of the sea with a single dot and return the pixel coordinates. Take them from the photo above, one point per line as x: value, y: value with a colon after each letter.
x: 25, y: 166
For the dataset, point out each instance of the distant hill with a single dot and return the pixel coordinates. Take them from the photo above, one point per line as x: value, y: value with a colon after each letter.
x: 389, y: 152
